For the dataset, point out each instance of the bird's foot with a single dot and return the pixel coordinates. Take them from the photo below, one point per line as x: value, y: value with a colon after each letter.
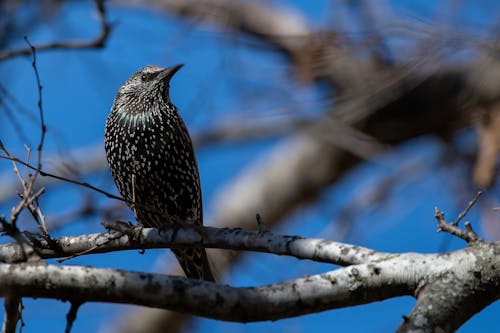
x: 126, y: 228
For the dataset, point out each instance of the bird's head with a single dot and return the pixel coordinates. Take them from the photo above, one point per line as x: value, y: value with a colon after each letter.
x: 148, y: 85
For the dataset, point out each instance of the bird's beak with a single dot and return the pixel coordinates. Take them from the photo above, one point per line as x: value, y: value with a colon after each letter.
x: 169, y: 72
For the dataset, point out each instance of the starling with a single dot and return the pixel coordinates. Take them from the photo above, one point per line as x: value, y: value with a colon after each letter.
x: 152, y: 160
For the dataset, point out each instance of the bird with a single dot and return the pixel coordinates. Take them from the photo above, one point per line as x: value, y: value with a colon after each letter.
x: 152, y: 160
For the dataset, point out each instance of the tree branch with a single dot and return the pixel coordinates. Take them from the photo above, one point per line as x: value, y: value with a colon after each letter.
x: 468, y: 235
x: 97, y: 42
x: 320, y: 250
x: 354, y: 285
x: 447, y: 298
x: 315, y: 293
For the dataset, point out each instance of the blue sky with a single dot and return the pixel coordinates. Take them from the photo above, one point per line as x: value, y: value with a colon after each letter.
x: 79, y: 87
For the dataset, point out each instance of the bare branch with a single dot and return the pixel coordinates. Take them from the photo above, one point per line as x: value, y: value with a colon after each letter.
x: 467, y: 235
x: 315, y: 293
x: 320, y: 250
x: 445, y: 303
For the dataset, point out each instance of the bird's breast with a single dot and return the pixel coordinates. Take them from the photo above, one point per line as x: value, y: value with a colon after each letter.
x: 152, y: 162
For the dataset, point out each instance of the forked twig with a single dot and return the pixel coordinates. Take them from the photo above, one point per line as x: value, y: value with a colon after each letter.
x: 467, y: 234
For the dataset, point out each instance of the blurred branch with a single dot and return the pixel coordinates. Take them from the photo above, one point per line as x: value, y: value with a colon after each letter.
x: 71, y: 316
x: 281, y: 27
x: 488, y: 132
x: 97, y: 42
x: 238, y: 130
x: 376, y: 41
x: 13, y: 314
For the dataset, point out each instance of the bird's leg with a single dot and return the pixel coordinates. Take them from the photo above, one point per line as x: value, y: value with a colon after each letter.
x: 137, y: 232
x: 132, y: 205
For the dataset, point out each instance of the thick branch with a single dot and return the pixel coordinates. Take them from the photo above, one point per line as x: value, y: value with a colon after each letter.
x: 344, y: 287
x: 447, y: 299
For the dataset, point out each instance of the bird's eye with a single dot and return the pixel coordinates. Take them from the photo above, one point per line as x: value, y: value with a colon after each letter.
x: 148, y: 76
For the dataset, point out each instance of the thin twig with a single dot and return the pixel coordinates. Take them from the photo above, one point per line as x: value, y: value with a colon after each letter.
x: 64, y: 179
x: 16, y: 211
x: 468, y: 235
x: 43, y: 128
x: 125, y: 229
x: 469, y: 206
x: 42, y: 225
x: 87, y: 251
x: 13, y: 160
x: 31, y: 199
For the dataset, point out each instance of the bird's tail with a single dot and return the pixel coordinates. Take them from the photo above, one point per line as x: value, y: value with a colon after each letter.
x: 194, y: 262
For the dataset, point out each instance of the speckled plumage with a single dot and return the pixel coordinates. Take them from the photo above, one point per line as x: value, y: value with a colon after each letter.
x: 152, y: 160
